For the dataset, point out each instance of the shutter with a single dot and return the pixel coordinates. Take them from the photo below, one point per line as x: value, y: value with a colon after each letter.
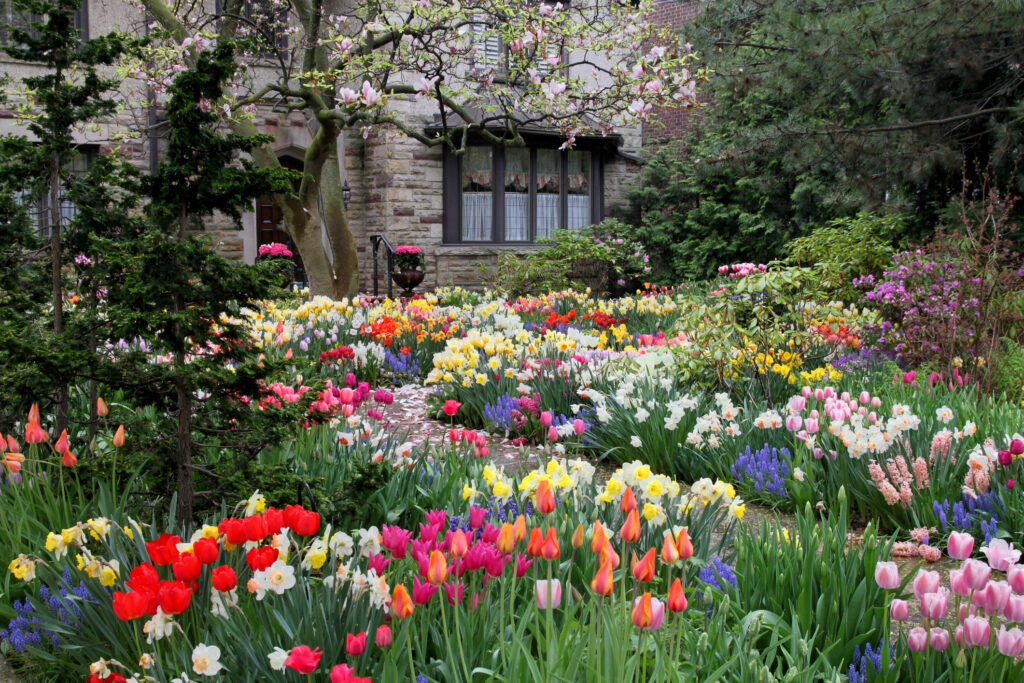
x: 490, y: 50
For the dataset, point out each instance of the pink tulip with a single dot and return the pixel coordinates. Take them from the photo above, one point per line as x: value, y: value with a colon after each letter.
x: 548, y: 593
x: 887, y: 575
x: 1017, y: 447
x: 552, y: 433
x: 845, y: 396
x: 899, y: 610
x: 976, y: 632
x: 579, y: 426
x: 811, y: 425
x: 934, y: 605
x: 997, y: 595
x: 877, y: 403
x: 960, y: 545
x: 975, y: 574
x: 959, y: 636
x: 938, y: 638
x: 909, y: 377
x: 797, y: 404
x: 807, y: 392
x: 819, y: 395
x: 1010, y: 643
x: 793, y: 422
x: 1014, y: 610
x: 546, y: 418
x: 1000, y: 554
x: 925, y: 582
x: 958, y: 584
x: 917, y: 639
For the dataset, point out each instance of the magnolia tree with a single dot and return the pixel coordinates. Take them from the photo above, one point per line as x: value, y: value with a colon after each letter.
x: 490, y: 67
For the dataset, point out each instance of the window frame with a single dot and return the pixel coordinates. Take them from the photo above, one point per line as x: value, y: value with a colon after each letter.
x: 453, y: 167
x: 81, y: 20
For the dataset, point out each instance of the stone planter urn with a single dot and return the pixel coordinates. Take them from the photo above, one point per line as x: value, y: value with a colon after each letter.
x: 408, y: 280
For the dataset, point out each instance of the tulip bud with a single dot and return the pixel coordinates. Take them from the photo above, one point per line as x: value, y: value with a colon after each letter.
x: 577, y: 537
x: 383, y: 636
x: 119, y: 437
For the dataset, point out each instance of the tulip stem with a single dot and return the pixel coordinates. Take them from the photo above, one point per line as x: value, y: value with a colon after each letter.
x: 600, y: 639
x: 548, y: 608
x: 408, y: 649
x: 447, y: 639
x: 458, y: 635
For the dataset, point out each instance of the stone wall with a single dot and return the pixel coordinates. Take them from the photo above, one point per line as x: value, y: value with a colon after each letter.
x: 671, y: 124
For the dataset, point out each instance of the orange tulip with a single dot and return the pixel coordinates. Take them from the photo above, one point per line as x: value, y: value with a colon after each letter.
x: 630, y: 530
x: 644, y: 569
x: 401, y: 604
x: 437, y: 570
x: 545, y: 498
x: 520, y: 527
x: 506, y: 540
x: 69, y: 459
x: 676, y: 597
x: 550, y: 550
x: 12, y: 444
x: 577, y: 537
x: 33, y: 413
x: 669, y: 551
x: 62, y: 443
x: 119, y: 436
x: 536, y: 541
x: 628, y: 503
x: 101, y: 407
x: 599, y: 538
x: 643, y: 614
x: 684, y: 545
x: 14, y: 461
x: 34, y: 433
x: 460, y: 546
x: 608, y: 554
x: 603, y: 582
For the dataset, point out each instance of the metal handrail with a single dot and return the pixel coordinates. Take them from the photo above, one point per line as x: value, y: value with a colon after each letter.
x: 376, y: 240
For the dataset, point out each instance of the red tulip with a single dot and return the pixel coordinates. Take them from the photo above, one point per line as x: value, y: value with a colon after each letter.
x: 545, y: 497
x: 644, y: 569
x: 174, y: 597
x: 206, y: 549
x: 262, y: 557
x: 603, y: 582
x: 62, y: 442
x: 163, y: 550
x: 355, y: 645
x: 224, y: 578
x: 255, y: 527
x: 303, y: 659
x: 233, y: 529
x: 676, y: 597
x: 383, y: 636
x: 628, y: 502
x: 128, y: 606
x: 549, y: 550
x: 630, y: 530
x: 187, y: 567
x: 451, y: 407
x: 68, y: 459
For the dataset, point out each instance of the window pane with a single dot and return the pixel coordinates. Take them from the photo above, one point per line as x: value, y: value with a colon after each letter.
x: 517, y: 194
x: 579, y: 189
x: 549, y: 177
x: 477, y: 188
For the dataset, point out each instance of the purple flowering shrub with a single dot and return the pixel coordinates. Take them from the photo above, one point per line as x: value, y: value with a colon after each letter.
x: 954, y: 296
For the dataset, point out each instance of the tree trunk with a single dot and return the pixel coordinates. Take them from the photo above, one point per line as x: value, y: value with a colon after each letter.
x: 61, y: 396
x: 183, y: 455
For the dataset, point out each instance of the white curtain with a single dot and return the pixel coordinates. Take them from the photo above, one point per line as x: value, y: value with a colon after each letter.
x: 517, y: 196
x: 477, y: 202
x: 549, y: 178
x: 547, y: 215
x: 477, y: 216
x: 579, y: 211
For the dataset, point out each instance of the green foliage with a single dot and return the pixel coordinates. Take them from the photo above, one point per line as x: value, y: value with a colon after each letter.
x: 847, y: 248
x: 602, y: 257
x: 827, y: 588
x: 1008, y: 371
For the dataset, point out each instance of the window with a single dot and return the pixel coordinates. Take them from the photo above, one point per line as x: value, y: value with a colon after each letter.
x: 491, y: 52
x: 510, y: 195
x: 39, y: 208
x: 265, y: 20
x: 10, y: 15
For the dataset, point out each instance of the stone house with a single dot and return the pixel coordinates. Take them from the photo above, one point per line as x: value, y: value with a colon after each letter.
x: 462, y: 210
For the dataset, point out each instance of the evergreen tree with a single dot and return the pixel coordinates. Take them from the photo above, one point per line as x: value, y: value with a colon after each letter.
x: 67, y: 92
x: 162, y: 282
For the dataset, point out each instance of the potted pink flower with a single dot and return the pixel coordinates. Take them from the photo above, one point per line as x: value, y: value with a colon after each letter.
x: 276, y: 251
x: 409, y: 264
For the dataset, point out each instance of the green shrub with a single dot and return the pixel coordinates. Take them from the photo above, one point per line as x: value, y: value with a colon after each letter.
x: 846, y: 248
x: 602, y: 257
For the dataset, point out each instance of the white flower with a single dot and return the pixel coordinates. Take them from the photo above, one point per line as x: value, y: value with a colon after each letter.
x: 945, y: 414
x: 277, y: 658
x: 277, y: 578
x: 635, y: 441
x: 219, y: 602
x: 369, y: 541
x: 341, y: 544
x: 206, y: 659
x: 182, y: 679
x: 642, y: 415
x: 798, y: 474
x: 159, y: 626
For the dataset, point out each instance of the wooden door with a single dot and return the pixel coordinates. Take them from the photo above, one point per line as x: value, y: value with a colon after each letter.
x: 268, y: 228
